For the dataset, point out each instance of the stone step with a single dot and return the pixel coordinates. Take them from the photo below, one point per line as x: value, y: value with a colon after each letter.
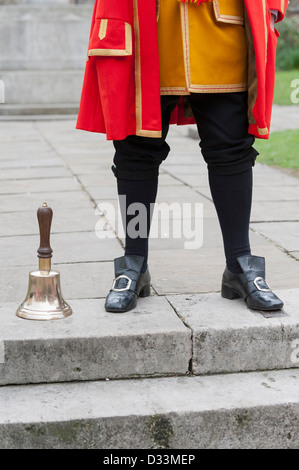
x: 229, y: 337
x: 163, y: 336
x: 238, y: 411
x: 92, y: 344
x: 41, y: 92
x: 17, y: 112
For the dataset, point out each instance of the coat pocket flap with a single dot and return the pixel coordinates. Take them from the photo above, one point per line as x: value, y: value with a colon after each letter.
x: 229, y: 11
x: 110, y: 37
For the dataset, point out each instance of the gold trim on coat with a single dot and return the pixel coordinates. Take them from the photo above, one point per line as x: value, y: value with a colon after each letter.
x: 103, y: 28
x: 252, y: 80
x: 143, y: 133
x: 226, y: 18
x: 113, y: 52
x: 227, y: 88
x: 158, y: 2
x: 185, y: 36
x: 174, y: 91
x: 137, y: 68
x: 263, y: 131
x: 138, y: 89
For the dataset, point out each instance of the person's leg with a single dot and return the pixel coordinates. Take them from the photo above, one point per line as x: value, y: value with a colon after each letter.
x: 232, y: 195
x: 227, y: 148
x: 131, y: 194
x: 136, y: 167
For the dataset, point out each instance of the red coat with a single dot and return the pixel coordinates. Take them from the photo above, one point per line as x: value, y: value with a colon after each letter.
x: 121, y: 89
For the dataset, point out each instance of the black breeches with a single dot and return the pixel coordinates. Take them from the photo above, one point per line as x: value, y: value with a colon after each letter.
x: 222, y: 126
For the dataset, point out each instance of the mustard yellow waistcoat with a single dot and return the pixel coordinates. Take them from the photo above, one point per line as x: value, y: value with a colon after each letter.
x: 202, y: 48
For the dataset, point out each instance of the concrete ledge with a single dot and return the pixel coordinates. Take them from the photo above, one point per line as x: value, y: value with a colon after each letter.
x: 235, y: 411
x: 229, y: 337
x: 44, y: 91
x: 15, y: 112
x: 93, y: 344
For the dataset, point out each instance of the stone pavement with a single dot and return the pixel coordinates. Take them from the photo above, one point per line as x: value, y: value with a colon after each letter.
x: 70, y: 169
x: 183, y: 329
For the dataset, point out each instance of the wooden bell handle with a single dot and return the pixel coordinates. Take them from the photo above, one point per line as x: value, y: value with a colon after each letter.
x: 44, y: 216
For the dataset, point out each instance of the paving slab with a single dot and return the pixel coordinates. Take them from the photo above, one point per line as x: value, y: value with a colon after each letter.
x: 96, y: 152
x: 30, y: 162
x: 269, y: 193
x: 99, y: 180
x: 168, y: 193
x: 65, y: 131
x: 266, y: 176
x: 182, y: 157
x: 191, y: 179
x: 229, y: 337
x: 263, y: 175
x: 93, y: 344
x: 229, y: 411
x: 24, y: 173
x: 31, y: 185
x: 180, y: 193
x: 30, y: 202
x: 200, y: 270
x: 89, y: 165
x: 22, y: 149
x: 16, y: 131
x: 73, y: 247
x: 196, y: 168
x: 284, y: 234
x: 272, y: 211
x: 71, y: 220
x: 266, y: 193
x: 103, y: 193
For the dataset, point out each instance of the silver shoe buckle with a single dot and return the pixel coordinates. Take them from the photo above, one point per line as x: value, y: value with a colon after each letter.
x: 258, y: 279
x: 115, y: 289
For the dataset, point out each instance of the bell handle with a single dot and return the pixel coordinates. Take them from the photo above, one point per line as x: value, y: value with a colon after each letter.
x: 44, y: 216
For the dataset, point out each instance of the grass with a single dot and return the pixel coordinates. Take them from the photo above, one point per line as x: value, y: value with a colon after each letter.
x: 283, y: 89
x: 282, y: 150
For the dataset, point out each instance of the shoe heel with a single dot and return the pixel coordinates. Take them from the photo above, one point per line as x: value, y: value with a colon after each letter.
x: 145, y: 291
x: 229, y: 293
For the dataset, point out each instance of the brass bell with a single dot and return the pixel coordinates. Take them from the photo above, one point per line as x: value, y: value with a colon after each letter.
x: 44, y: 299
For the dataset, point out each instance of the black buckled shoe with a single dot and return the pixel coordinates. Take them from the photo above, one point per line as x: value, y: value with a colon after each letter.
x: 250, y: 285
x: 128, y: 284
